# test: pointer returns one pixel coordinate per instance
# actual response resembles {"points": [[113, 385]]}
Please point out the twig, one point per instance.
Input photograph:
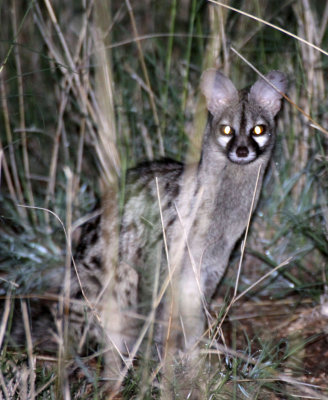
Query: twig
{"points": [[60, 35], [15, 187], [168, 332], [4, 320], [243, 245], [67, 279], [79, 158], [56, 144], [3, 386], [269, 24], [324, 22], [146, 76], [103, 102], [318, 126], [13, 44], [283, 264], [3, 163], [22, 116], [31, 359]]}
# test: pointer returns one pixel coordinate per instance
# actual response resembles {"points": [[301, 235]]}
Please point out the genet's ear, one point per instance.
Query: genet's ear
{"points": [[218, 90], [267, 96]]}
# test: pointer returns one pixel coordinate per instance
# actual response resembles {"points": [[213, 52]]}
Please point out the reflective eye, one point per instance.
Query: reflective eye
{"points": [[258, 129], [226, 130]]}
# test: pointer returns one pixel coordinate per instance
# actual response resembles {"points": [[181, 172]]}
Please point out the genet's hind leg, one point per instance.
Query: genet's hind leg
{"points": [[120, 323]]}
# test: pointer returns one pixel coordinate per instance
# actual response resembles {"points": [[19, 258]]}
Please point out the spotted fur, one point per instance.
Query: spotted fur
{"points": [[204, 209], [201, 209]]}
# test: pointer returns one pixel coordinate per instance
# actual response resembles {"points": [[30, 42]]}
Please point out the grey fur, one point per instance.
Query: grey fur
{"points": [[205, 208]]}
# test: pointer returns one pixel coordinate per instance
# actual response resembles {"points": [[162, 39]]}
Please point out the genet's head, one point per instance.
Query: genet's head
{"points": [[243, 123]]}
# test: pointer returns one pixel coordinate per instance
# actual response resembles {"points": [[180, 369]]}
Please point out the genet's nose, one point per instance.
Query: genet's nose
{"points": [[242, 151]]}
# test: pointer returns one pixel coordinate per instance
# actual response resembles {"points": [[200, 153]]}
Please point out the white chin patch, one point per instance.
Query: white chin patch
{"points": [[242, 160]]}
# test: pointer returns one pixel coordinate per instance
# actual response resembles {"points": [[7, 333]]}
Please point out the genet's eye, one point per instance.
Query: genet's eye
{"points": [[226, 130], [258, 130]]}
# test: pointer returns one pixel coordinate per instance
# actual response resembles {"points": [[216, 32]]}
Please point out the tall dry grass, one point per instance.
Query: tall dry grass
{"points": [[91, 88]]}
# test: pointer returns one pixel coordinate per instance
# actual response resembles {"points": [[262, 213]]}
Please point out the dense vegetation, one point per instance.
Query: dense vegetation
{"points": [[89, 89]]}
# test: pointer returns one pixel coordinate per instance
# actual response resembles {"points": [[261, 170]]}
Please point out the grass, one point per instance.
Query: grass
{"points": [[89, 90]]}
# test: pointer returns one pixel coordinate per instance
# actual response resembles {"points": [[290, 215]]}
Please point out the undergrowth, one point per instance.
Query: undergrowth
{"points": [[89, 90]]}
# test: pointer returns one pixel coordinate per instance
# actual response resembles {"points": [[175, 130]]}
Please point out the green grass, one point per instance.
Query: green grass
{"points": [[153, 107]]}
